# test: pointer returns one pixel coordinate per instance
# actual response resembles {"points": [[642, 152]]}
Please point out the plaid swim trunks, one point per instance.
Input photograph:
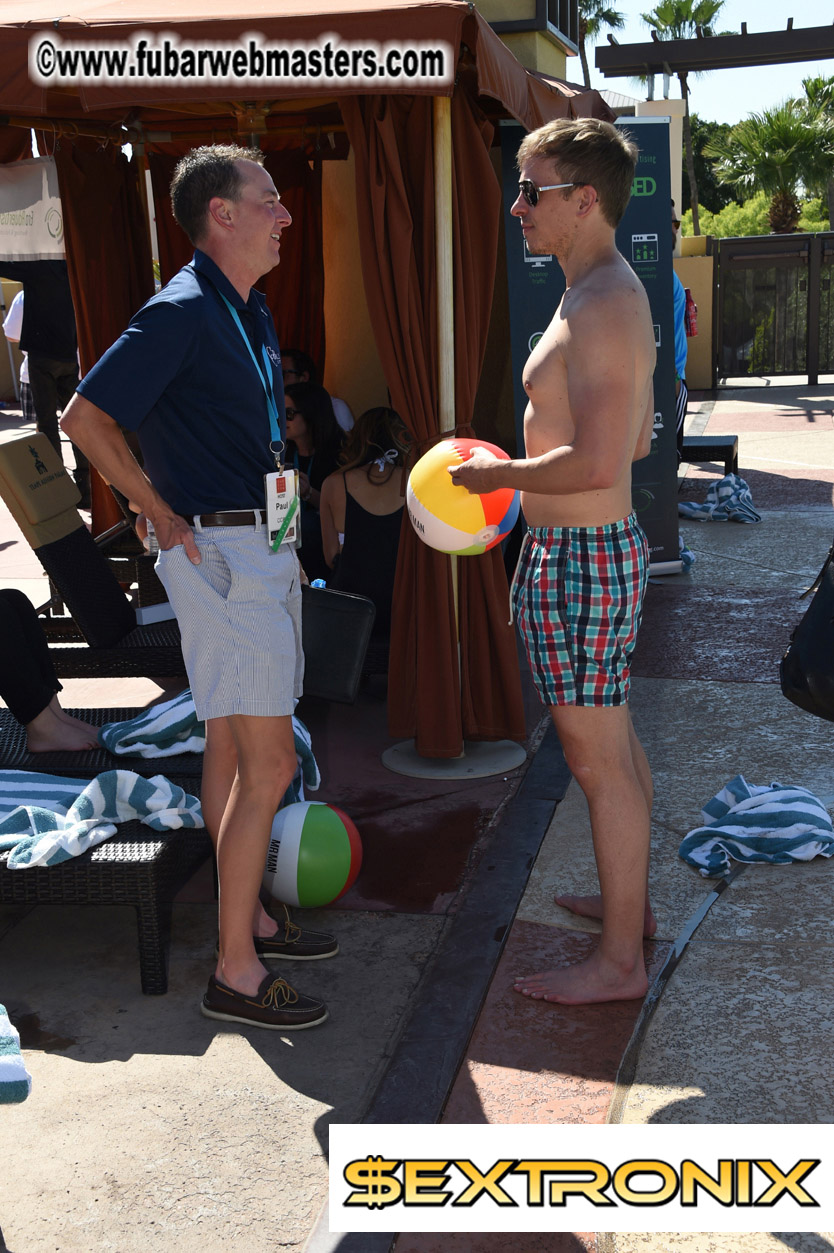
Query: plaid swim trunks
{"points": [[578, 596]]}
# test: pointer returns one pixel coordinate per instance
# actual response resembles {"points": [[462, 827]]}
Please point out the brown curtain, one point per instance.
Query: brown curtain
{"points": [[108, 260], [491, 683], [108, 250], [294, 290], [15, 144], [173, 244], [391, 138]]}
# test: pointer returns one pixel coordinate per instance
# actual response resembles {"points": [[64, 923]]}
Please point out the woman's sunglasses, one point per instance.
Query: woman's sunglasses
{"points": [[294, 413], [531, 192]]}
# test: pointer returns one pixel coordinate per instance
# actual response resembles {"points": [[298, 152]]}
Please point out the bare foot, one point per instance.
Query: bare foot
{"points": [[49, 734], [586, 983], [591, 907], [78, 723]]}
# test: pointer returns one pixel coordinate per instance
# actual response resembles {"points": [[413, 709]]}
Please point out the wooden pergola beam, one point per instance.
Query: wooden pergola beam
{"points": [[716, 52]]}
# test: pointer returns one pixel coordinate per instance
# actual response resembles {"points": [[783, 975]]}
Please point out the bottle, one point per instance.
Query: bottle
{"points": [[690, 315], [318, 583], [150, 541]]}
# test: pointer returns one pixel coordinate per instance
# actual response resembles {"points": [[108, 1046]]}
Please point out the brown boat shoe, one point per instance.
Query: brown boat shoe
{"points": [[293, 943], [275, 1005]]}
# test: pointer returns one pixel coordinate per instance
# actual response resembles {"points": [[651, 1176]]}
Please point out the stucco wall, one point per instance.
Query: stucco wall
{"points": [[696, 273]]}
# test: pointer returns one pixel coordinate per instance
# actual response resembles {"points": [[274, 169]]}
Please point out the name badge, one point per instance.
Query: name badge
{"points": [[283, 516]]}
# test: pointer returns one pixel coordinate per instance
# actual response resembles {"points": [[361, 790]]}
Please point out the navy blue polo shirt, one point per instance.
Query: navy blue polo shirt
{"points": [[182, 378]]}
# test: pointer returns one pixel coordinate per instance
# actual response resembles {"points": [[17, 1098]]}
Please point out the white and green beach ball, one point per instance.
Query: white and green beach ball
{"points": [[314, 855]]}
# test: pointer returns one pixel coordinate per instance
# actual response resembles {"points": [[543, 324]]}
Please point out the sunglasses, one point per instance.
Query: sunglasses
{"points": [[531, 192], [294, 413]]}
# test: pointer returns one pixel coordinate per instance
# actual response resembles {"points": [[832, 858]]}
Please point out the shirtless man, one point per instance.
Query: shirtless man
{"points": [[584, 562]]}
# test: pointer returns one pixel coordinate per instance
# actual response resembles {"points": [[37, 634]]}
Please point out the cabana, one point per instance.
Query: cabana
{"points": [[428, 208]]}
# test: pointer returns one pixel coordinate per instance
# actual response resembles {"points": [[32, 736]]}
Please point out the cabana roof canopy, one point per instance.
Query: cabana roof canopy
{"points": [[470, 46]]}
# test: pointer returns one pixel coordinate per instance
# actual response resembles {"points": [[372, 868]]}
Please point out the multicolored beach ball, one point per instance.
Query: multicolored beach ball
{"points": [[448, 517], [314, 855]]}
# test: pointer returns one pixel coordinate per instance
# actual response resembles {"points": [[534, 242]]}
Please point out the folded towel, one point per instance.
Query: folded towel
{"points": [[728, 500], [308, 770], [163, 730], [15, 1080], [45, 820], [753, 823], [173, 727]]}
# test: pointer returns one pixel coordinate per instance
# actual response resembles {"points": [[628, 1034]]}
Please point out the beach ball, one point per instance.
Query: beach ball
{"points": [[314, 854], [448, 517]]}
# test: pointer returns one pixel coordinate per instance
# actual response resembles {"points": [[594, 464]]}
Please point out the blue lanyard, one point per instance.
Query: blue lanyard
{"points": [[264, 375]]}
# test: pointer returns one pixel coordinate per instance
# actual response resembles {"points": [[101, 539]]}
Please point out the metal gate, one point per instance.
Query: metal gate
{"points": [[775, 306]]}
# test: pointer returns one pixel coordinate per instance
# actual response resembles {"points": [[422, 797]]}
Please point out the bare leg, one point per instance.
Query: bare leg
{"points": [[266, 763], [49, 732], [591, 906], [219, 773], [598, 747]]}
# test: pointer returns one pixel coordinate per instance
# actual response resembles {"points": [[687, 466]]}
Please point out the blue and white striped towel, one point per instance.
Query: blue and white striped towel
{"points": [[756, 823], [172, 727], [45, 820], [164, 730], [15, 1080], [728, 500]]}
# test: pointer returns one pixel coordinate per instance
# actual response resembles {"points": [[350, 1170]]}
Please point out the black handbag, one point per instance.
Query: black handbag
{"points": [[806, 672], [335, 632]]}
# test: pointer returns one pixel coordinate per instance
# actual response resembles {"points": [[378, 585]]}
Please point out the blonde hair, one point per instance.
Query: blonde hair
{"points": [[589, 152]]}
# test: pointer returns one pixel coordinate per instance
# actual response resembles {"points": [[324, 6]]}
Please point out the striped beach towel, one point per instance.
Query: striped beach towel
{"points": [[45, 820], [757, 823], [164, 730], [172, 727], [15, 1080], [728, 500]]}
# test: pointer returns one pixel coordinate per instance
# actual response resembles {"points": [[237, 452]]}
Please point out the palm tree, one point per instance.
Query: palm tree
{"points": [[818, 103], [682, 19], [593, 15], [776, 151]]}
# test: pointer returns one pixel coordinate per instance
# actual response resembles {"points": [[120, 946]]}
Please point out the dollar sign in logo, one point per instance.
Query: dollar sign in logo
{"points": [[375, 1179]]}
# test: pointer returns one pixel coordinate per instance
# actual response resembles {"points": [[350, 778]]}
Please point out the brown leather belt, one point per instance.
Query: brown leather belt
{"points": [[236, 517]]}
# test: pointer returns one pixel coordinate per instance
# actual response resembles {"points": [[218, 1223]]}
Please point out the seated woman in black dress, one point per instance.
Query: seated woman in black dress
{"points": [[362, 511], [314, 441], [28, 683]]}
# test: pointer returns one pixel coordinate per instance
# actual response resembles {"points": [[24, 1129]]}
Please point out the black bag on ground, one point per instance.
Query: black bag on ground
{"points": [[806, 672]]}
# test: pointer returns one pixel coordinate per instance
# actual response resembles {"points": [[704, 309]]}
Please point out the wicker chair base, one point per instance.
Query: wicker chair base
{"points": [[137, 867], [152, 651], [86, 764]]}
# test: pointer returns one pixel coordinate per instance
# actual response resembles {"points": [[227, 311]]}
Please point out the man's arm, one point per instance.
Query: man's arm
{"points": [[97, 435]]}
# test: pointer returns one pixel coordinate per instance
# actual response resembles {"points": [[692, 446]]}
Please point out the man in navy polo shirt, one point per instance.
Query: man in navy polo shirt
{"points": [[197, 375]]}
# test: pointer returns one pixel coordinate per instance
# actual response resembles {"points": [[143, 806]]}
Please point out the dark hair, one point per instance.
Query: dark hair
{"points": [[316, 408], [202, 174], [587, 151], [303, 363], [375, 432]]}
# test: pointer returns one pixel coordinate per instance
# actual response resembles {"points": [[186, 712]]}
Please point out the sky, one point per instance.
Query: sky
{"points": [[725, 95]]}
